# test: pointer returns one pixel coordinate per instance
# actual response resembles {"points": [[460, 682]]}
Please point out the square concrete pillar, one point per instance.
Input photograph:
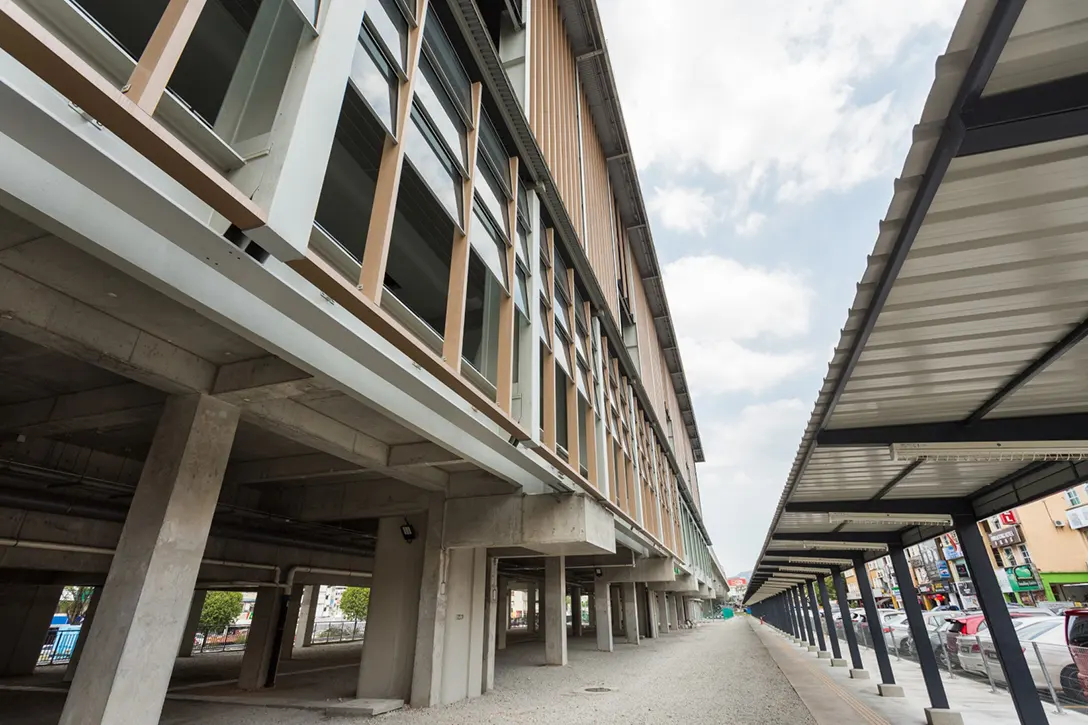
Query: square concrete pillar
{"points": [[576, 611], [192, 624], [290, 622], [663, 612], [652, 615], [261, 652], [304, 632], [602, 604], [84, 631], [617, 610], [530, 608], [462, 662], [677, 612], [502, 611], [145, 602], [630, 612], [25, 615], [555, 612], [389, 646], [494, 612]]}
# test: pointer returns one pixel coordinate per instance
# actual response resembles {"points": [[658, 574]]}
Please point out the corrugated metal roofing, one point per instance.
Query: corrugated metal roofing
{"points": [[993, 280]]}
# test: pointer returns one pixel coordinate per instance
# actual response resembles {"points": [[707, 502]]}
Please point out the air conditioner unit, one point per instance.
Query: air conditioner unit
{"points": [[1059, 524]]}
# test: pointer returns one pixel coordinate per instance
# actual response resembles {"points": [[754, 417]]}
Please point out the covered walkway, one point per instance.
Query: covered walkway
{"points": [[956, 391]]}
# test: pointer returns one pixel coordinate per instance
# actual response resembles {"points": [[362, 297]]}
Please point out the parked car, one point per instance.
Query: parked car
{"points": [[960, 636], [934, 619], [1049, 633], [1074, 678], [883, 626], [973, 649]]}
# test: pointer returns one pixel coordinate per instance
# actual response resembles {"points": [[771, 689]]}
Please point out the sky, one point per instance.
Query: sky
{"points": [[767, 136]]}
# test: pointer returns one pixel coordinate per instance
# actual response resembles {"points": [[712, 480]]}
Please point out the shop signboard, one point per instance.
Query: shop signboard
{"points": [[943, 571], [1005, 537], [1008, 518], [1022, 578], [951, 552]]}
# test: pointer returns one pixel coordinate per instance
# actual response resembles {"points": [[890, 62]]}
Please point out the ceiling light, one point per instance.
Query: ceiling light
{"points": [[991, 451], [843, 545], [890, 519], [818, 560], [807, 569]]}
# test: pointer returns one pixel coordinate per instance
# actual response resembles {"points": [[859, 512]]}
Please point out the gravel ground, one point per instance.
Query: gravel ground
{"points": [[717, 674]]}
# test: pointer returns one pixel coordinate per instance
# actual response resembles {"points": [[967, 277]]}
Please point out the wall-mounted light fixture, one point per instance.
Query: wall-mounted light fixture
{"points": [[408, 532]]}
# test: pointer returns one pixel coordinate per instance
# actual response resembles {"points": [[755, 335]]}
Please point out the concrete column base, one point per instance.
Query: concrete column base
{"points": [[943, 716], [887, 690], [838, 662], [824, 655], [859, 674], [812, 648]]}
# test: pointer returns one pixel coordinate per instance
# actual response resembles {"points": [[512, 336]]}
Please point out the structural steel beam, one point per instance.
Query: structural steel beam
{"points": [[866, 537], [1028, 428], [1025, 116], [950, 506]]}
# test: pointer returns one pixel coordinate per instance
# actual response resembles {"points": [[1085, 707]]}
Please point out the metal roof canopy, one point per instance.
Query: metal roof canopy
{"points": [[968, 322]]}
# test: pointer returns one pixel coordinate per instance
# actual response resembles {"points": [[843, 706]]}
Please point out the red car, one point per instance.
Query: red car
{"points": [[1076, 637], [971, 624]]}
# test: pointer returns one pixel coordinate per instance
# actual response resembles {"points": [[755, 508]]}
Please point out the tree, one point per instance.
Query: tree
{"points": [[220, 610], [75, 601], [355, 602]]}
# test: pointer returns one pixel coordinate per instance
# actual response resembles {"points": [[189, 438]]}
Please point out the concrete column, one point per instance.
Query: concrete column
{"points": [[503, 613], [576, 611], [290, 622], [495, 614], [264, 639], [652, 614], [555, 612], [25, 615], [630, 612], [676, 609], [462, 662], [530, 608], [602, 604], [591, 605], [84, 630], [663, 611], [390, 642], [192, 624], [145, 602], [617, 609], [430, 639], [304, 630]]}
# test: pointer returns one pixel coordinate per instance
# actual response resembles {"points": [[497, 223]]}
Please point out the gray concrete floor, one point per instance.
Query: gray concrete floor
{"points": [[718, 673]]}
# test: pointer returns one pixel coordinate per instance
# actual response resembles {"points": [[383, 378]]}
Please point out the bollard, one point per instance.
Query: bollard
{"points": [[985, 664]]}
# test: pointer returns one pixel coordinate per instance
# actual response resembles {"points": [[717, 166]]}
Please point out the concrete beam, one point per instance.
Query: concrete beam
{"points": [[345, 501], [622, 558], [420, 454], [684, 584], [309, 466], [265, 378], [659, 570], [102, 408], [553, 525]]}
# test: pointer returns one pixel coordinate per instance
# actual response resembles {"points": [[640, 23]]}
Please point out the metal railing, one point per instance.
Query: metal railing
{"points": [[338, 631]]}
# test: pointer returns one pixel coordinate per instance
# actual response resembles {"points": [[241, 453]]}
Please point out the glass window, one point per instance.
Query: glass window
{"points": [[389, 25], [481, 333], [492, 250], [561, 281], [562, 312], [440, 110], [583, 446], [544, 334], [522, 247], [373, 78], [493, 152], [561, 409], [494, 200], [562, 353], [1024, 553], [445, 57], [1072, 497], [523, 204], [521, 293], [1009, 556], [424, 151]]}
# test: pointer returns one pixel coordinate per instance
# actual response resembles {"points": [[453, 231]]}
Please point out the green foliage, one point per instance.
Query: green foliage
{"points": [[355, 602], [220, 610], [75, 602]]}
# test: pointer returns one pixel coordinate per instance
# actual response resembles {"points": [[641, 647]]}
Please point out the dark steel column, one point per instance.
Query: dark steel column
{"points": [[909, 596], [1029, 708], [804, 614], [880, 647], [847, 624], [792, 614], [816, 618], [828, 619]]}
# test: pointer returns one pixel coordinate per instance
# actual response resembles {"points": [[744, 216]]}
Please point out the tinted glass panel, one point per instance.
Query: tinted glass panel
{"points": [[521, 293], [481, 333], [493, 151], [373, 78], [421, 147], [440, 46], [487, 190], [492, 250], [436, 101], [392, 28]]}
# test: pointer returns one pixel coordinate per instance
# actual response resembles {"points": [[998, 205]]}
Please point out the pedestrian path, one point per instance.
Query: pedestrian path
{"points": [[825, 690]]}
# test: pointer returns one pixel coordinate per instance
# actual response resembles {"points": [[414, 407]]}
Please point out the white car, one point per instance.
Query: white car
{"points": [[971, 650], [1049, 634]]}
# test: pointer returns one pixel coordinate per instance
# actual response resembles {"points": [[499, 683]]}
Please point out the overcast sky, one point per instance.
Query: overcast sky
{"points": [[767, 136]]}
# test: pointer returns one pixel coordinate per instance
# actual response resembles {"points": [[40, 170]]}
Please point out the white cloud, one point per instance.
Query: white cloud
{"points": [[741, 485], [750, 224], [773, 95], [721, 307], [683, 209]]}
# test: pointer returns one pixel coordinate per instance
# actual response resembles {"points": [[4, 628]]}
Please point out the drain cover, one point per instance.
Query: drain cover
{"points": [[596, 690]]}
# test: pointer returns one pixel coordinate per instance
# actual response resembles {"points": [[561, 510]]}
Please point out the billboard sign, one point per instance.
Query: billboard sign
{"points": [[737, 582]]}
